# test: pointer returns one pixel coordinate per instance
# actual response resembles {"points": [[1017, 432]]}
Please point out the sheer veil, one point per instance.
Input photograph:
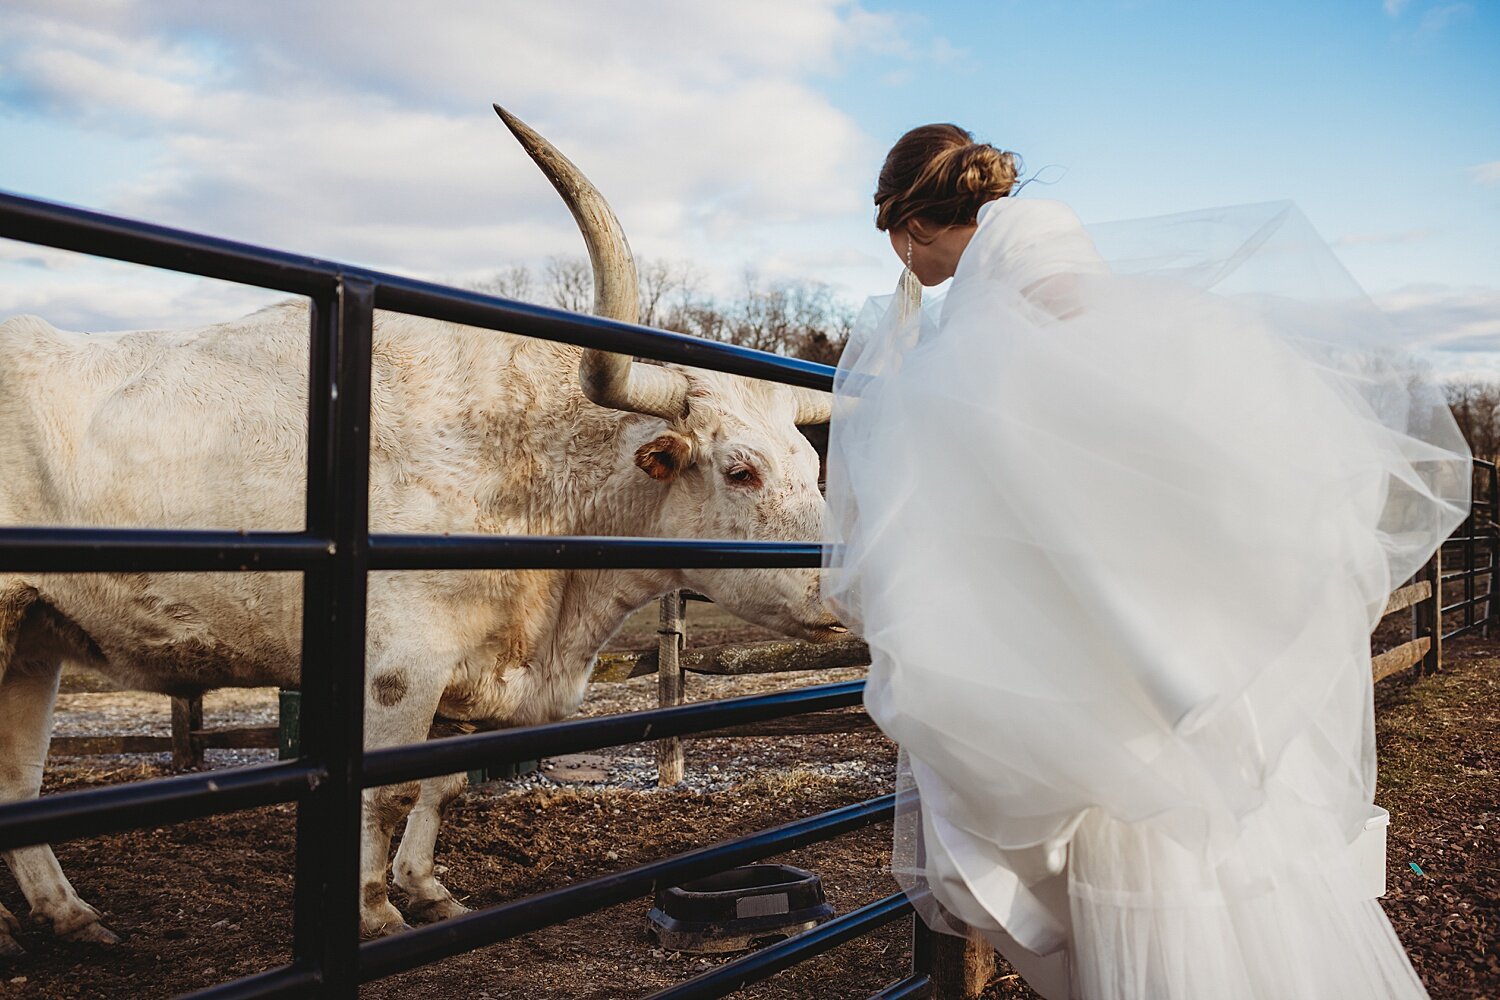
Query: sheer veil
{"points": [[1116, 517]]}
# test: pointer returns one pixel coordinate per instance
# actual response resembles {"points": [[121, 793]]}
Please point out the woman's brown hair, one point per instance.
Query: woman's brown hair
{"points": [[939, 174]]}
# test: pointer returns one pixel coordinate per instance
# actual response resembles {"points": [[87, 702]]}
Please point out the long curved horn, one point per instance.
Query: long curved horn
{"points": [[813, 407], [608, 379]]}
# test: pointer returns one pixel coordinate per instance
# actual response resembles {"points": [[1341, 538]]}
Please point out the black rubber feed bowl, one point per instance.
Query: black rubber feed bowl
{"points": [[737, 909]]}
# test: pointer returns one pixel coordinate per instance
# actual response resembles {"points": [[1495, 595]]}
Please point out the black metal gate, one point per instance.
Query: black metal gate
{"points": [[1475, 547], [335, 553]]}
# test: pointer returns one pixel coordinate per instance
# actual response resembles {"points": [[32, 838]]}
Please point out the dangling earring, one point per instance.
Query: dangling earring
{"points": [[909, 291]]}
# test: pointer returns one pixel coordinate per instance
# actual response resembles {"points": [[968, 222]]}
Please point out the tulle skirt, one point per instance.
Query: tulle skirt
{"points": [[1117, 555]]}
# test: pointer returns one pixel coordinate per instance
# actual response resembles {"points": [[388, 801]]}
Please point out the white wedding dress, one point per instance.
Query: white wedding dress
{"points": [[1117, 517]]}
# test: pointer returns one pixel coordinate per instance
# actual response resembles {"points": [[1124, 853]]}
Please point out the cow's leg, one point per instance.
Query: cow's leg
{"points": [[384, 808], [429, 899], [400, 701], [27, 693]]}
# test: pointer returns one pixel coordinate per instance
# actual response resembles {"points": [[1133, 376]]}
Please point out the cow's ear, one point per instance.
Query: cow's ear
{"points": [[664, 457]]}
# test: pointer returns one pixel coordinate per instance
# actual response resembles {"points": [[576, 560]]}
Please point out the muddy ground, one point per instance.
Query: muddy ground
{"points": [[210, 900]]}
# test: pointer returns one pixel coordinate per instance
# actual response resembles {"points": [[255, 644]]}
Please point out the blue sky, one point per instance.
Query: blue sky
{"points": [[744, 136]]}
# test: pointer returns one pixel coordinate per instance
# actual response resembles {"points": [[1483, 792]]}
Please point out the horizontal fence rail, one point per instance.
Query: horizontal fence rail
{"points": [[137, 550], [301, 980], [93, 811], [574, 552], [461, 753], [758, 965]]}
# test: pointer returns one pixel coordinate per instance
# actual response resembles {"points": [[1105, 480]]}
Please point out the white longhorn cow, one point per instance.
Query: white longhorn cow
{"points": [[472, 431]]}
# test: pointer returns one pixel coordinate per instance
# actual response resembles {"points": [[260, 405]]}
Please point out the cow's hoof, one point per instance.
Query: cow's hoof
{"points": [[381, 920], [95, 933], [430, 911], [10, 948], [9, 924], [369, 932]]}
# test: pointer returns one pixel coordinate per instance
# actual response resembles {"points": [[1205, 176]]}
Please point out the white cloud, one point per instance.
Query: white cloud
{"points": [[83, 293], [1457, 328], [1395, 7], [370, 138], [1486, 173]]}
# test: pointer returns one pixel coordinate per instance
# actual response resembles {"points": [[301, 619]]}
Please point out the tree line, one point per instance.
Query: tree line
{"points": [[1476, 406], [800, 319]]}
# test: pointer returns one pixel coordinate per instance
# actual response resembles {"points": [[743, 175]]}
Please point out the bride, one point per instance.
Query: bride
{"points": [[1117, 517]]}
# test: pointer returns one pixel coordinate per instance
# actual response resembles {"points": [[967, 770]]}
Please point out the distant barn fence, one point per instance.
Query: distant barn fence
{"points": [[1462, 572]]}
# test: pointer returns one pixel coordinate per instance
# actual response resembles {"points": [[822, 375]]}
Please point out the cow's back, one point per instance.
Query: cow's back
{"points": [[207, 429], [195, 429]]}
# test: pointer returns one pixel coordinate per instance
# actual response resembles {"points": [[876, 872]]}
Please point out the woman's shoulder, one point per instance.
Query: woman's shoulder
{"points": [[1023, 239], [1028, 212]]}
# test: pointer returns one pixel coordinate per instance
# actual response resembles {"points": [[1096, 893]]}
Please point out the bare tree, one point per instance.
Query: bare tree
{"points": [[786, 317], [665, 287], [514, 282], [570, 283], [1476, 408], [800, 319]]}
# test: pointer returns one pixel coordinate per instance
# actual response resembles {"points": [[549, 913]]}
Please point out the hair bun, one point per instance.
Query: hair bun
{"points": [[940, 174], [981, 169]]}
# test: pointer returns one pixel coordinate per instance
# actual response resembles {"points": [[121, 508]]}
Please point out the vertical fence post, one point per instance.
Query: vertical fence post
{"points": [[187, 723], [1427, 615], [325, 925], [1492, 531], [959, 967], [1472, 526], [671, 636]]}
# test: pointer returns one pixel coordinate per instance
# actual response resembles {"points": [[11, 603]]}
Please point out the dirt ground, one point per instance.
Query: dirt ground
{"points": [[210, 900]]}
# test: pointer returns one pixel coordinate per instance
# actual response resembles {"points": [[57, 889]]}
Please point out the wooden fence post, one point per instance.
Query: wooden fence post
{"points": [[959, 967], [671, 636], [187, 745]]}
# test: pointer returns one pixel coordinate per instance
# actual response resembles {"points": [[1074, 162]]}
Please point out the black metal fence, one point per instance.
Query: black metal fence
{"points": [[335, 554], [1475, 547]]}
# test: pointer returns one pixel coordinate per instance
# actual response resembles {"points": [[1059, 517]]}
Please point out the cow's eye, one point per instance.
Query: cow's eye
{"points": [[742, 474]]}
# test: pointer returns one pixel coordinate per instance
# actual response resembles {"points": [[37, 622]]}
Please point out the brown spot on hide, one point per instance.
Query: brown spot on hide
{"points": [[373, 894], [393, 802], [389, 688], [13, 780], [664, 457]]}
